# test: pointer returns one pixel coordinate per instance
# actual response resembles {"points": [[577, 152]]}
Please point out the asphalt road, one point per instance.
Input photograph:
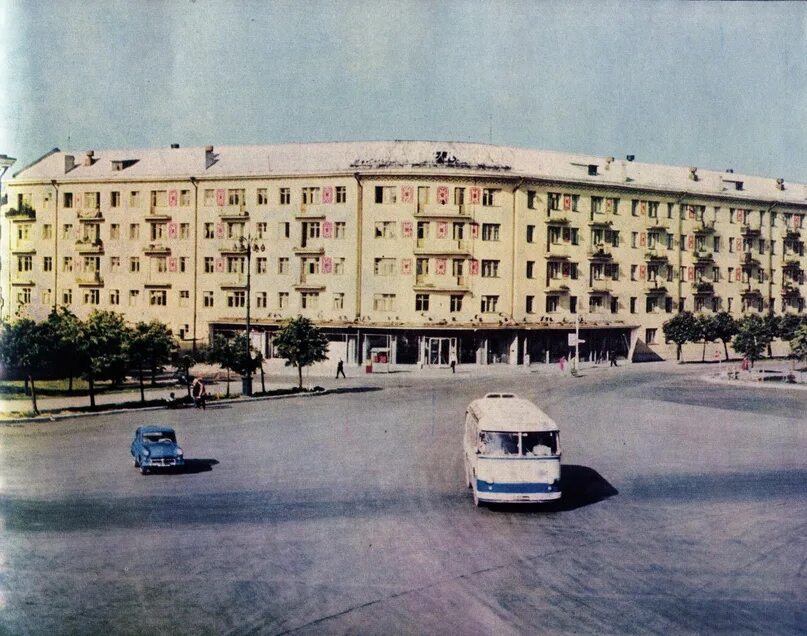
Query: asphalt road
{"points": [[684, 511]]}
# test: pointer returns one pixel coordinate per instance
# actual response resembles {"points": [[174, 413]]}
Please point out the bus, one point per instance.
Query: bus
{"points": [[512, 451]]}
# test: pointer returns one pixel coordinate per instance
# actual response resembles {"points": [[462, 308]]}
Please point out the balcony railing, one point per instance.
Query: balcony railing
{"points": [[559, 250], [704, 228], [558, 216], [89, 246], [702, 256], [750, 230], [25, 212], [90, 214], [443, 246], [601, 286], [89, 279], [436, 210], [157, 249], [703, 288], [600, 252]]}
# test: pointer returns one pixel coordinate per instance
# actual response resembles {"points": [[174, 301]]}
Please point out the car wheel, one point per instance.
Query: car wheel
{"points": [[143, 470], [136, 462]]}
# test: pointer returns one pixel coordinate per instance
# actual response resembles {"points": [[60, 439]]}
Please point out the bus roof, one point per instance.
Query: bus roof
{"points": [[507, 412]]}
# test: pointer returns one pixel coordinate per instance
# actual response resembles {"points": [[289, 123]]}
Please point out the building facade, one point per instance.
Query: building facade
{"points": [[431, 251]]}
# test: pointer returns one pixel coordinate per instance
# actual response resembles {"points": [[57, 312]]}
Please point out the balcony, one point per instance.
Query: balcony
{"points": [[791, 291], [792, 233], [90, 246], [91, 215], [89, 279], [310, 282], [600, 252], [748, 258], [654, 289], [751, 292], [657, 224], [450, 284], [600, 223], [601, 286], [157, 249], [705, 228], [233, 213], [656, 255], [312, 211], [750, 230], [437, 247], [159, 213], [703, 257], [558, 216], [557, 286], [24, 213], [313, 248], [703, 288], [561, 251], [438, 211], [23, 247]]}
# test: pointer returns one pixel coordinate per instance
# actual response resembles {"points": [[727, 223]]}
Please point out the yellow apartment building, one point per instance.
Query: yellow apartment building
{"points": [[432, 251]]}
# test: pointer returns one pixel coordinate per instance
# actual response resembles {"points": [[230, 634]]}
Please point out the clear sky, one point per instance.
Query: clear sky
{"points": [[709, 84]]}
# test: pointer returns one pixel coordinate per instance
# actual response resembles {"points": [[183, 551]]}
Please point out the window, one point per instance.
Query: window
{"points": [[650, 335], [532, 198], [310, 196], [422, 266], [261, 264], [529, 304], [24, 231], [339, 230], [490, 231], [596, 205], [385, 194], [385, 229], [553, 199], [235, 230], [235, 264], [184, 230], [384, 266], [455, 303], [114, 297], [423, 230], [114, 199], [457, 231], [134, 232], [67, 231], [184, 297], [530, 269], [530, 234], [67, 263], [310, 265], [573, 304], [338, 266], [92, 264], [311, 229], [25, 263], [633, 304], [67, 297], [338, 300], [341, 194], [134, 199], [384, 302], [489, 304], [283, 265], [209, 265], [309, 300], [262, 196], [421, 302], [158, 231], [47, 231], [67, 200], [47, 264], [261, 230], [490, 196], [284, 196], [236, 298], [114, 263], [134, 264], [185, 198], [159, 198], [114, 232], [157, 297], [552, 304], [459, 197], [207, 298], [284, 227], [282, 300], [209, 231], [235, 196], [634, 239], [490, 268], [260, 300], [183, 263], [134, 297]]}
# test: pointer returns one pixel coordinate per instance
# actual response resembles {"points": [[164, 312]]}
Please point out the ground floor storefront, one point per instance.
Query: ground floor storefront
{"points": [[359, 346]]}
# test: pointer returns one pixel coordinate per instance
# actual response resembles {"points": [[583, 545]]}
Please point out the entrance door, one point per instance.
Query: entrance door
{"points": [[441, 350]]}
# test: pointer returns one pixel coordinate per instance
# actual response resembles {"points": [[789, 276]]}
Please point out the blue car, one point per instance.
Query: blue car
{"points": [[156, 447]]}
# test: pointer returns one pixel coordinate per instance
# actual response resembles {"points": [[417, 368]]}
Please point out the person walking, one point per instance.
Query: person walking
{"points": [[340, 368], [613, 359], [562, 363]]}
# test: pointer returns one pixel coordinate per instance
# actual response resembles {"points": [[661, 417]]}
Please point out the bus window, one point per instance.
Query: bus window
{"points": [[539, 444], [498, 443]]}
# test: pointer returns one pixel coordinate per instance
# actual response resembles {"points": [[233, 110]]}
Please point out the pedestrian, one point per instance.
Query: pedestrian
{"points": [[613, 359], [562, 363], [202, 395], [340, 368], [744, 364], [453, 364], [197, 390]]}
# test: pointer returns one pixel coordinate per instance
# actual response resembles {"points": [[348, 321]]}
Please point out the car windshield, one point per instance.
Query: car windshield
{"points": [[159, 437], [532, 444]]}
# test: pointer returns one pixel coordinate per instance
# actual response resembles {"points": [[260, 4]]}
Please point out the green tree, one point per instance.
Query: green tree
{"points": [[798, 343], [680, 329], [724, 329], [302, 344], [25, 346], [149, 346], [102, 349], [753, 336], [788, 325], [65, 329], [772, 325], [226, 353], [707, 331]]}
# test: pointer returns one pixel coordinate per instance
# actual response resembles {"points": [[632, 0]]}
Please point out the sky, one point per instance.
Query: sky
{"points": [[710, 84]]}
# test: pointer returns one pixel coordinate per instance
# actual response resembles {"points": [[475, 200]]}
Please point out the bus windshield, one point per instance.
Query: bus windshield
{"points": [[532, 444]]}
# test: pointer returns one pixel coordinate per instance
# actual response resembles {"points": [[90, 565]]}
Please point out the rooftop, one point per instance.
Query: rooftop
{"points": [[404, 157]]}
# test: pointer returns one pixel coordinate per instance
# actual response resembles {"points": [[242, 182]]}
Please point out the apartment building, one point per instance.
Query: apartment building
{"points": [[429, 250]]}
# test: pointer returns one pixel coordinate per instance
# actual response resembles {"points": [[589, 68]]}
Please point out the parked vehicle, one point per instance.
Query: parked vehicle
{"points": [[156, 447], [512, 451]]}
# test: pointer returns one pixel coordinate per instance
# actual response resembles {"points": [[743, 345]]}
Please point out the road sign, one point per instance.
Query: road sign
{"points": [[573, 340]]}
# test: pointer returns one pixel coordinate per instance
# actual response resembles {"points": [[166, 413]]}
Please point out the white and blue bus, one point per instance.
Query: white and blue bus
{"points": [[512, 451]]}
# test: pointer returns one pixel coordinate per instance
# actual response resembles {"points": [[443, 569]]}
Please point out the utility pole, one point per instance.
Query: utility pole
{"points": [[247, 243]]}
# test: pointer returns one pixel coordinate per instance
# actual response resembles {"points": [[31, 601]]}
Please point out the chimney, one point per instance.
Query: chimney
{"points": [[174, 146], [630, 157], [88, 156], [210, 158], [693, 174], [780, 184], [69, 163]]}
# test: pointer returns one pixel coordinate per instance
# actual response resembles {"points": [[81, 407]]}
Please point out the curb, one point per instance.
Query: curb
{"points": [[754, 384]]}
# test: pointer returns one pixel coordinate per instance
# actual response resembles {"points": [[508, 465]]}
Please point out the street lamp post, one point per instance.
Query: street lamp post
{"points": [[248, 244]]}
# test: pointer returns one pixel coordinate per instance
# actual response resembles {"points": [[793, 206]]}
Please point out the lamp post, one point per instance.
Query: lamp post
{"points": [[248, 243]]}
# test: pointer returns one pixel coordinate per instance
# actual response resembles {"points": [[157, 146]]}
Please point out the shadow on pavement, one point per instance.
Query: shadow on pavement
{"points": [[193, 466], [356, 389], [581, 486]]}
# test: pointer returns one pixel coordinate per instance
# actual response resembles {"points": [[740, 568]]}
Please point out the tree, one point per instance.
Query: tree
{"points": [[788, 325], [772, 326], [149, 345], [798, 343], [25, 346], [707, 332], [753, 336], [724, 327], [680, 329], [65, 329], [226, 354], [102, 349], [302, 344]]}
